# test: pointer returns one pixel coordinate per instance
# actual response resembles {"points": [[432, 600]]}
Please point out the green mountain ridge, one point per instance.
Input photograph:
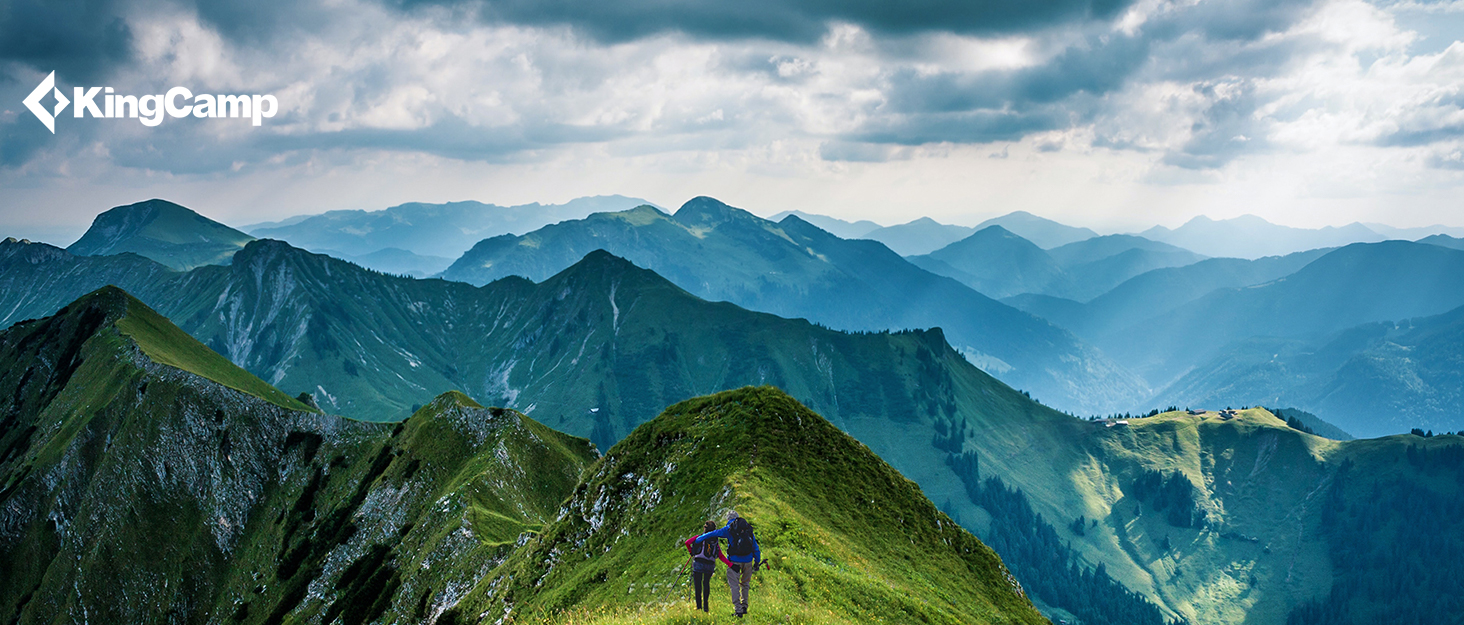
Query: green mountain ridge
{"points": [[162, 231], [793, 269], [135, 492], [1254, 541], [585, 363], [878, 552]]}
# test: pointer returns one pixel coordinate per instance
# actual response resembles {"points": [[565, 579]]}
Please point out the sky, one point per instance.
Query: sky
{"points": [[1112, 114]]}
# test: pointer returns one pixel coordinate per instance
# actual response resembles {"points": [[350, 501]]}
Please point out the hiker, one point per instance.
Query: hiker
{"points": [[703, 564], [746, 557]]}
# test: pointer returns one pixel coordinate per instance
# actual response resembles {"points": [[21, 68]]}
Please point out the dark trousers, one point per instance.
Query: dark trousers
{"points": [[701, 582]]}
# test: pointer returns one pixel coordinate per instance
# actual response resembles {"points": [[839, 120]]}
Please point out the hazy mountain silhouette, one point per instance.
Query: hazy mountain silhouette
{"points": [[1249, 236]]}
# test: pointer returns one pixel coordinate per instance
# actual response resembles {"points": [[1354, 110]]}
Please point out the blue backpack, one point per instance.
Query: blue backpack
{"points": [[739, 538]]}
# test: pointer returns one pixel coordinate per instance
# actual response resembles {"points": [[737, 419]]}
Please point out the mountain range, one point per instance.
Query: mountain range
{"points": [[290, 514], [794, 269], [1360, 283], [1249, 236], [1373, 379], [137, 453], [428, 230], [925, 235], [1000, 264]]}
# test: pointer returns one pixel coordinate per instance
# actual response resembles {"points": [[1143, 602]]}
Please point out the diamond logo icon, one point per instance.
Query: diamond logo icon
{"points": [[33, 102]]}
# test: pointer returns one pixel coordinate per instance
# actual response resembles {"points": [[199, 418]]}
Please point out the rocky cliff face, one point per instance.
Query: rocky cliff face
{"points": [[135, 492]]}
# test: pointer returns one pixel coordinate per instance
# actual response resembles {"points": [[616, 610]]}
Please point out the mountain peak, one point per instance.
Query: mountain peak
{"points": [[162, 231], [705, 212]]}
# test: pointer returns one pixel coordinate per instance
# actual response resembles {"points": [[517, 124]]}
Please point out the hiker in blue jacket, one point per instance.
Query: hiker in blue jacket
{"points": [[745, 555]]}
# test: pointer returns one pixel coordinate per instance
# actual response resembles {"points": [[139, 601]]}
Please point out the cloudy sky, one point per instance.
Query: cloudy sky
{"points": [[1115, 114]]}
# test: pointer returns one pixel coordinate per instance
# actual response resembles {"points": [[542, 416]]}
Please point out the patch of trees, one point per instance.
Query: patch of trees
{"points": [[950, 435], [1445, 459], [1430, 434], [1397, 551], [1047, 566], [1171, 494], [1296, 424]]}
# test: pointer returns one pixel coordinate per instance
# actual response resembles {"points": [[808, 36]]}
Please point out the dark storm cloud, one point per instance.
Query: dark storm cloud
{"points": [[784, 20], [1206, 43], [80, 39], [1230, 20], [180, 148], [260, 21], [983, 126]]}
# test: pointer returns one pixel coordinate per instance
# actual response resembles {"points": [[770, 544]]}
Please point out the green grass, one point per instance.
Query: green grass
{"points": [[165, 344], [846, 538]]}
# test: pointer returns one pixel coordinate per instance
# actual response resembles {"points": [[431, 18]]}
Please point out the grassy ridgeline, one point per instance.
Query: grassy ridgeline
{"points": [[165, 344], [845, 537]]}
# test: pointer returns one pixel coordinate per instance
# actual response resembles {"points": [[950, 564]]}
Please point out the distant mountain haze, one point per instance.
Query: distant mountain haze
{"points": [[1000, 264], [1044, 233], [162, 231], [794, 269], [1443, 240], [443, 230], [1359, 283], [922, 236], [1373, 379], [1414, 234], [1249, 236], [1158, 291], [837, 227], [396, 261]]}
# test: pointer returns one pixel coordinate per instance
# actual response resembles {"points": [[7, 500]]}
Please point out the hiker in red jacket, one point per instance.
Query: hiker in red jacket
{"points": [[703, 564], [745, 554]]}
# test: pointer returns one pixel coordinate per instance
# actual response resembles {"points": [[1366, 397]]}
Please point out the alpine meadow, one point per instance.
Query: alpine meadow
{"points": [[480, 312]]}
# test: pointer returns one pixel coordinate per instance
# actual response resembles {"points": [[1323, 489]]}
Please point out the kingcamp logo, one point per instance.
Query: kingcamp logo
{"points": [[101, 102]]}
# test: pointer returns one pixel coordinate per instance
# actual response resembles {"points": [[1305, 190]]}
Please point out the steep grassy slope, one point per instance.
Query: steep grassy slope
{"points": [[1225, 519], [136, 492], [162, 231], [846, 538], [794, 269]]}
